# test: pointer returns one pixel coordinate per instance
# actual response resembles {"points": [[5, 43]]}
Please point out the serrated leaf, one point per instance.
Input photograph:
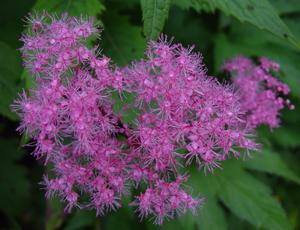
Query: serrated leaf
{"points": [[250, 199], [72, 7], [155, 13], [270, 162], [10, 81], [259, 13], [122, 41]]}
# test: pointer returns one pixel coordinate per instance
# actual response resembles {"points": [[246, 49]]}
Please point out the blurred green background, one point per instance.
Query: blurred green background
{"points": [[258, 193]]}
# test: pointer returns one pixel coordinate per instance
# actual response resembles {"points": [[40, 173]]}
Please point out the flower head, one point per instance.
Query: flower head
{"points": [[96, 156], [262, 94], [182, 107]]}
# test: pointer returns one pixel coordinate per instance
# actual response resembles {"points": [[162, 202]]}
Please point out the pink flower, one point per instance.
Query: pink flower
{"points": [[262, 95], [183, 108], [69, 113], [165, 200], [95, 154]]}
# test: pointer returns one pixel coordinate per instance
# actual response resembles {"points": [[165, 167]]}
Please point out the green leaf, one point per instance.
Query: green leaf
{"points": [[124, 218], [293, 24], [286, 7], [72, 7], [12, 13], [287, 135], [54, 211], [210, 215], [223, 51], [10, 81], [188, 29], [270, 162], [238, 224], [122, 41], [257, 12], [183, 4], [29, 80], [124, 106], [14, 185], [250, 199], [155, 13], [80, 220]]}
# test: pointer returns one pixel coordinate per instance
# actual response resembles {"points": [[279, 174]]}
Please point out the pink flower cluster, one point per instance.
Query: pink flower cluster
{"points": [[262, 95], [183, 108], [184, 116], [69, 114]]}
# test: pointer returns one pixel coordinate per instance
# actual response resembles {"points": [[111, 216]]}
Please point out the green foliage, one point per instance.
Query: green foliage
{"points": [[261, 192], [287, 136], [123, 106], [212, 216], [122, 41], [155, 12], [82, 8], [181, 24], [237, 42], [11, 23], [270, 162], [10, 82], [125, 219], [72, 7], [285, 7], [80, 220], [246, 196], [250, 199], [54, 214], [14, 186], [257, 12]]}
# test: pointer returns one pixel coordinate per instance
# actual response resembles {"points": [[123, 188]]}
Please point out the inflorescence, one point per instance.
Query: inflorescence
{"points": [[262, 95], [185, 116]]}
